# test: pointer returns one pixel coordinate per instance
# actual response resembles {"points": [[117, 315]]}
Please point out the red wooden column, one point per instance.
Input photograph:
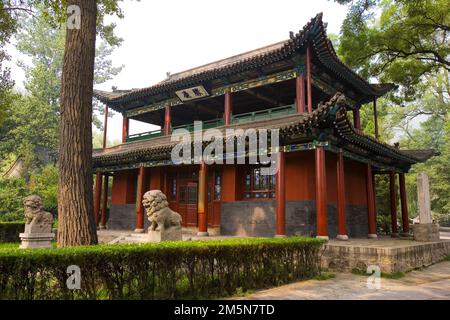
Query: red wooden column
{"points": [[125, 123], [202, 198], [167, 120], [404, 205], [280, 196], [105, 126], [393, 197], [308, 77], [97, 195], [228, 108], [300, 93], [140, 211], [104, 202], [165, 181], [370, 203], [342, 229], [321, 194], [375, 117], [356, 119]]}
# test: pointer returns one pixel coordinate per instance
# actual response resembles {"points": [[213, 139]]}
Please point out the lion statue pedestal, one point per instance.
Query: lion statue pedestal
{"points": [[38, 226], [165, 224]]}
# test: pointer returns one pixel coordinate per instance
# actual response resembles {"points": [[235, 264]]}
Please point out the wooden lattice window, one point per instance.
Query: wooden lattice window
{"points": [[258, 186]]}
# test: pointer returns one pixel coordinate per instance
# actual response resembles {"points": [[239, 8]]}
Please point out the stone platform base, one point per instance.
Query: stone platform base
{"points": [[391, 255], [165, 235], [36, 240], [426, 232]]}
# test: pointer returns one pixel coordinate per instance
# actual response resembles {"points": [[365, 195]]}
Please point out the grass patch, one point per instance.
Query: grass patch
{"points": [[447, 258], [325, 276], [395, 275], [360, 272]]}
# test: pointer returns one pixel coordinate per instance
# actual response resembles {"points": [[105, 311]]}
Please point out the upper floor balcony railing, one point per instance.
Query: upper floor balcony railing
{"points": [[214, 123]]}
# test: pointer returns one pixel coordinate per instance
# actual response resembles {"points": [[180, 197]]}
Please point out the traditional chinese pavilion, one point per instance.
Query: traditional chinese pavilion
{"points": [[325, 183]]}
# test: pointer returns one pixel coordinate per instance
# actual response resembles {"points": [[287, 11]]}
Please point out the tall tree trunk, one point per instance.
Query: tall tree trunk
{"points": [[76, 224]]}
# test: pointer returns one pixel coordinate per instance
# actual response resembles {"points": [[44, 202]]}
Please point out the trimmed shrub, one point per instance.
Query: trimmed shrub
{"points": [[9, 231], [169, 270]]}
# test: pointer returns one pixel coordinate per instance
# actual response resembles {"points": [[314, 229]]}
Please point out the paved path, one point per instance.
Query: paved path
{"points": [[430, 283]]}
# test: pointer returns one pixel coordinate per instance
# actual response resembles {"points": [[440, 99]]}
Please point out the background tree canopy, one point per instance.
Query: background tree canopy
{"points": [[406, 42], [29, 120]]}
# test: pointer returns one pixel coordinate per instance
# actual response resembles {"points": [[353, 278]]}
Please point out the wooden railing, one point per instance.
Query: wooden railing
{"points": [[264, 114], [144, 135], [214, 123], [205, 125]]}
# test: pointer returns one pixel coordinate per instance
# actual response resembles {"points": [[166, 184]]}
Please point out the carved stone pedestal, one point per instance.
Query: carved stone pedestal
{"points": [[165, 235], [36, 240]]}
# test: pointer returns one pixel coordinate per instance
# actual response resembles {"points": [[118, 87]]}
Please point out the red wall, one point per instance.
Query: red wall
{"points": [[300, 178], [124, 187], [229, 182], [355, 182]]}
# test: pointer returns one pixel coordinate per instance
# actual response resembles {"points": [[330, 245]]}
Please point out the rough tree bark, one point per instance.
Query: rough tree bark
{"points": [[76, 224]]}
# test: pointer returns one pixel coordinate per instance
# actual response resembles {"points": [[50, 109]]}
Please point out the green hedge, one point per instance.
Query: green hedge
{"points": [[9, 231], [169, 270]]}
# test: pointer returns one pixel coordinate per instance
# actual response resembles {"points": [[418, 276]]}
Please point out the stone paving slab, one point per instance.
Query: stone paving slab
{"points": [[430, 283]]}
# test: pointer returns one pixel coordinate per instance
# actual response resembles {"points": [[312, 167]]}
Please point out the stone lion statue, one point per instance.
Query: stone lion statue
{"points": [[159, 214], [37, 220]]}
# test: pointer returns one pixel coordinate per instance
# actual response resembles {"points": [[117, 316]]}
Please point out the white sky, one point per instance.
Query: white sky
{"points": [[175, 35]]}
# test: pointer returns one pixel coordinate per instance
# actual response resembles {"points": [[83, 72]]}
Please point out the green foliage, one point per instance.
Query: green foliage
{"points": [[397, 40], [12, 192], [168, 270], [9, 232], [45, 185], [405, 42], [29, 123]]}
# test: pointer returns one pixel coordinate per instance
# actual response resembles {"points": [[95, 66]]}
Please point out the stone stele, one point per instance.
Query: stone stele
{"points": [[426, 230], [165, 224], [38, 225]]}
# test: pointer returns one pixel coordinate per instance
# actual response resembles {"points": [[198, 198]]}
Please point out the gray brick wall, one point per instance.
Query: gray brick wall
{"points": [[258, 218], [123, 217]]}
